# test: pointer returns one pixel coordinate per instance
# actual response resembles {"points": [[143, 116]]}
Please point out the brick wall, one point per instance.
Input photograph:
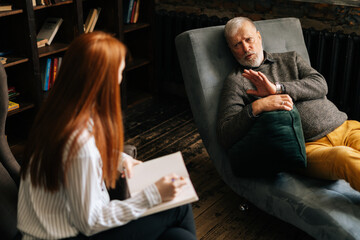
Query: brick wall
{"points": [[319, 16]]}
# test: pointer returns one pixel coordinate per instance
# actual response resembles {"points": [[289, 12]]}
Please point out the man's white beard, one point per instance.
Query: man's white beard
{"points": [[256, 62]]}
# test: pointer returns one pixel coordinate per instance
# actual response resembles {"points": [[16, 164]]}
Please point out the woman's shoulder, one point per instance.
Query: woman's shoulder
{"points": [[82, 142]]}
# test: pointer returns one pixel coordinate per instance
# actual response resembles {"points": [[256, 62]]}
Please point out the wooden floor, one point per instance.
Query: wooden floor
{"points": [[165, 126]]}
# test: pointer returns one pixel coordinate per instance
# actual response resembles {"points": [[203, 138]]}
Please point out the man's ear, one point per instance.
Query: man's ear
{"points": [[258, 33]]}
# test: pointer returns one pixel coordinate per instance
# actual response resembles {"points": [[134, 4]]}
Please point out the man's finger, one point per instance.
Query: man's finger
{"points": [[252, 92]]}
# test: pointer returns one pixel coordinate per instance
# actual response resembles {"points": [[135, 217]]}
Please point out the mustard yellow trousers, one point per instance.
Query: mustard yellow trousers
{"points": [[337, 155]]}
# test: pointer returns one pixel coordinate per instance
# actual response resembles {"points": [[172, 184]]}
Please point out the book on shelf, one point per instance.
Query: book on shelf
{"points": [[152, 170], [133, 12], [49, 29], [91, 20], [47, 74], [51, 74], [12, 93], [125, 10], [12, 106], [5, 7], [93, 23], [59, 63], [136, 15], [6, 52], [47, 2], [49, 69], [128, 10], [41, 42], [54, 69]]}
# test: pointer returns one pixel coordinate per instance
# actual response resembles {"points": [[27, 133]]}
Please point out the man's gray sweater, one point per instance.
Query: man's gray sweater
{"points": [[305, 85]]}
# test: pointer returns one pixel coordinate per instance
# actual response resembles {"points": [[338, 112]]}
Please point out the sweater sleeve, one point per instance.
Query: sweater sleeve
{"points": [[310, 84], [234, 117], [88, 200]]}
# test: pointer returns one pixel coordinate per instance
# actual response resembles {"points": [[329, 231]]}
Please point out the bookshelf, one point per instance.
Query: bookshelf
{"points": [[19, 28]]}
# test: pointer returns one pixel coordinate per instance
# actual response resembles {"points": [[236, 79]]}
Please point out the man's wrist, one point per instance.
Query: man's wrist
{"points": [[279, 88]]}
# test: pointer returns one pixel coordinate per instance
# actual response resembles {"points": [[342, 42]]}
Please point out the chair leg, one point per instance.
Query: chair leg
{"points": [[243, 206]]}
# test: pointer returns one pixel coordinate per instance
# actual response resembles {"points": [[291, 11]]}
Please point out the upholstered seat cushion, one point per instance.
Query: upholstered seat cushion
{"points": [[274, 143]]}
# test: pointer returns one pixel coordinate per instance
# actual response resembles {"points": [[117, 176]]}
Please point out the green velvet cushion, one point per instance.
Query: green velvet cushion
{"points": [[275, 143]]}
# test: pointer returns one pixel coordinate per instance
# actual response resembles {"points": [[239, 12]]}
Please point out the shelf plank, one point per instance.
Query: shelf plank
{"points": [[12, 12], [136, 63], [23, 107], [135, 26], [12, 61], [52, 49]]}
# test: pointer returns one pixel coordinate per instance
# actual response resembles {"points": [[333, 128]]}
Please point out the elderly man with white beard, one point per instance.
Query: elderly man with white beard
{"points": [[264, 82]]}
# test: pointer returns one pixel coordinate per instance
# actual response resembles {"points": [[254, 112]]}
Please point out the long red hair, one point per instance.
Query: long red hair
{"points": [[86, 87]]}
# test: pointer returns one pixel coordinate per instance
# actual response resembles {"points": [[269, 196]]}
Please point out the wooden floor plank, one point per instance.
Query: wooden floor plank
{"points": [[254, 224], [140, 122], [207, 182], [147, 137], [170, 143], [215, 214], [147, 107]]}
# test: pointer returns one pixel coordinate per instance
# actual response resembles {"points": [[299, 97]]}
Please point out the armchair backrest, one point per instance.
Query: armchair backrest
{"points": [[206, 60], [6, 156]]}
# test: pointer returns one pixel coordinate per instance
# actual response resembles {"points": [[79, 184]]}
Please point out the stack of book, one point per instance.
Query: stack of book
{"points": [[41, 42], [45, 2], [50, 67], [91, 20], [5, 6], [131, 11], [12, 93]]}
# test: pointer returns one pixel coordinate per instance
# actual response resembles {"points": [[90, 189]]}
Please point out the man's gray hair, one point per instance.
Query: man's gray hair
{"points": [[234, 24]]}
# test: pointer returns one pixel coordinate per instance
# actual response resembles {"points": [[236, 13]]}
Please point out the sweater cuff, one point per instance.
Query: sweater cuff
{"points": [[152, 194], [123, 157], [250, 112]]}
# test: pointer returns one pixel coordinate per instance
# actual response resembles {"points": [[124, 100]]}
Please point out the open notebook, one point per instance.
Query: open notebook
{"points": [[152, 170]]}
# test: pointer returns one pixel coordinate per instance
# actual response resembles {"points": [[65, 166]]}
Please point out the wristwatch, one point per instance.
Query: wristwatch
{"points": [[279, 88]]}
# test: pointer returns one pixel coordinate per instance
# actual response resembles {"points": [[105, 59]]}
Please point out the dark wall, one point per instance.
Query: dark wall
{"points": [[319, 16]]}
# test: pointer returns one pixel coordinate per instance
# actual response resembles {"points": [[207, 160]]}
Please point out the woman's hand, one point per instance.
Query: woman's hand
{"points": [[128, 164], [170, 186]]}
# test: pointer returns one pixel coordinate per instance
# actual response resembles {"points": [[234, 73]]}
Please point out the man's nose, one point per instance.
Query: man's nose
{"points": [[246, 47]]}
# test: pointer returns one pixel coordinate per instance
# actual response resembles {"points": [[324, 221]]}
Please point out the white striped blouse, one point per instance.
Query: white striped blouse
{"points": [[82, 206]]}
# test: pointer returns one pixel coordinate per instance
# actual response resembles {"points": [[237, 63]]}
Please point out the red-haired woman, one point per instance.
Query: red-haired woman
{"points": [[74, 153]]}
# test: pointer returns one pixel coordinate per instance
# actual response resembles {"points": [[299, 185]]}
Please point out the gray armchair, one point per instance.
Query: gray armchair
{"points": [[323, 209], [9, 171]]}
